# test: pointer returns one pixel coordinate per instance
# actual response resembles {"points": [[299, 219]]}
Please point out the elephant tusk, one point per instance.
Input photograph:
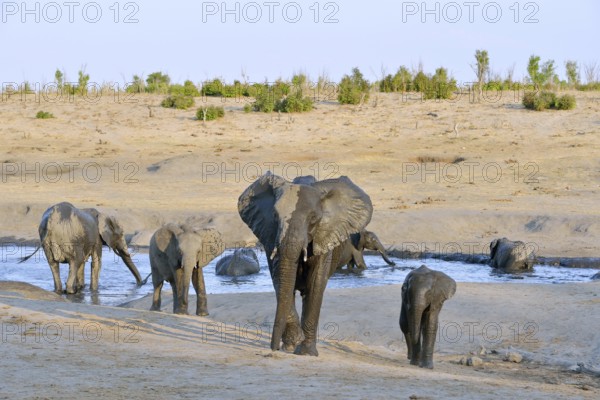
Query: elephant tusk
{"points": [[305, 254], [274, 253]]}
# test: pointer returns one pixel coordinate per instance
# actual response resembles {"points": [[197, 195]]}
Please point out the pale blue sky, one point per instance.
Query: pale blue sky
{"points": [[176, 38]]}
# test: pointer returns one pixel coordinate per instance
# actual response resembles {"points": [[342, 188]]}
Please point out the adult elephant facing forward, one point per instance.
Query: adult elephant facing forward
{"points": [[299, 225]]}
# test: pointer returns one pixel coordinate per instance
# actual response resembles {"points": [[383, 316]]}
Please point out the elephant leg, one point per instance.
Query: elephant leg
{"points": [[311, 306], [96, 265], [73, 268], [55, 268], [173, 284], [406, 332], [292, 335], [80, 280], [182, 282], [358, 258], [200, 288], [429, 332], [156, 300]]}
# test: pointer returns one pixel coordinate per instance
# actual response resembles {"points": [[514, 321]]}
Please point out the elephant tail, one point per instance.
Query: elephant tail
{"points": [[23, 259]]}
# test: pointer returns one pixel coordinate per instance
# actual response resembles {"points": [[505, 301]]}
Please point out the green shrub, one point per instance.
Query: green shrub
{"points": [[548, 100], [353, 88], [178, 101], [265, 98], [212, 88], [187, 89], [590, 86], [210, 112], [157, 82], [565, 102], [528, 100], [136, 86], [294, 103], [247, 107], [44, 115]]}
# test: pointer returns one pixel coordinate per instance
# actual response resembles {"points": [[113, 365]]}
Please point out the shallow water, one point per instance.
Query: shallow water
{"points": [[117, 284]]}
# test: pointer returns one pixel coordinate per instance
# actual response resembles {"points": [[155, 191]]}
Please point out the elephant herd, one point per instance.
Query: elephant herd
{"points": [[308, 229]]}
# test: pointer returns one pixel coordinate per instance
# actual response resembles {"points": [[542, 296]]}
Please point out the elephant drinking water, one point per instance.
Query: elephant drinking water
{"points": [[71, 235]]}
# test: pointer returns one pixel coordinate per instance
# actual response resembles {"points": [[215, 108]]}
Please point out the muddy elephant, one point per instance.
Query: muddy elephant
{"points": [[177, 255], [511, 256], [423, 294], [242, 262], [299, 225], [351, 251], [71, 235]]}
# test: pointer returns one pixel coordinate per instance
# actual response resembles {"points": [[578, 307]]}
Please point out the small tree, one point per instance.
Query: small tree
{"points": [[82, 81], [533, 69], [157, 82], [59, 78], [481, 69], [572, 72], [136, 86], [354, 89]]}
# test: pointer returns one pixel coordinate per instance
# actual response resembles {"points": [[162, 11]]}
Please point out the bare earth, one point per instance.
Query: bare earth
{"points": [[503, 171]]}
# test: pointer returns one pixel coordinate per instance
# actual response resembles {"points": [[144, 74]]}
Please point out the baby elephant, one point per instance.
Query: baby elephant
{"points": [[423, 294], [350, 252], [177, 255], [242, 262], [511, 256]]}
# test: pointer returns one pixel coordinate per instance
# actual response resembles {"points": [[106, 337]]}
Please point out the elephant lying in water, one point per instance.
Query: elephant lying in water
{"points": [[177, 255], [511, 256], [71, 235], [351, 251], [423, 294], [242, 262]]}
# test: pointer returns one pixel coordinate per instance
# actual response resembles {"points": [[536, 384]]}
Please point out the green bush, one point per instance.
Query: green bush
{"points": [[353, 88], [548, 100], [212, 88], [528, 100], [210, 112], [178, 101], [157, 82], [565, 102], [187, 89], [265, 101], [294, 103], [44, 115], [247, 107]]}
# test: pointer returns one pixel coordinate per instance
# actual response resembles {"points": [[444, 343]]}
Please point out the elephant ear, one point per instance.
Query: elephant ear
{"points": [[347, 209], [256, 207], [494, 247], [110, 230], [212, 244]]}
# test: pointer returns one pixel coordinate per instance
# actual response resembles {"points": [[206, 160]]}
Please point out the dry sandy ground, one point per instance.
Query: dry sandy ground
{"points": [[503, 171], [57, 349]]}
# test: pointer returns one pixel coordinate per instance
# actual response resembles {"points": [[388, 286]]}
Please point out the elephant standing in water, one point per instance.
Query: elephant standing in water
{"points": [[351, 251], [423, 294], [70, 235], [241, 262], [177, 255], [511, 256], [299, 225]]}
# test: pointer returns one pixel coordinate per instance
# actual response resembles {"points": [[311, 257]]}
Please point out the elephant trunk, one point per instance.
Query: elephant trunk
{"points": [[379, 247], [285, 281], [126, 257], [183, 277], [415, 314]]}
